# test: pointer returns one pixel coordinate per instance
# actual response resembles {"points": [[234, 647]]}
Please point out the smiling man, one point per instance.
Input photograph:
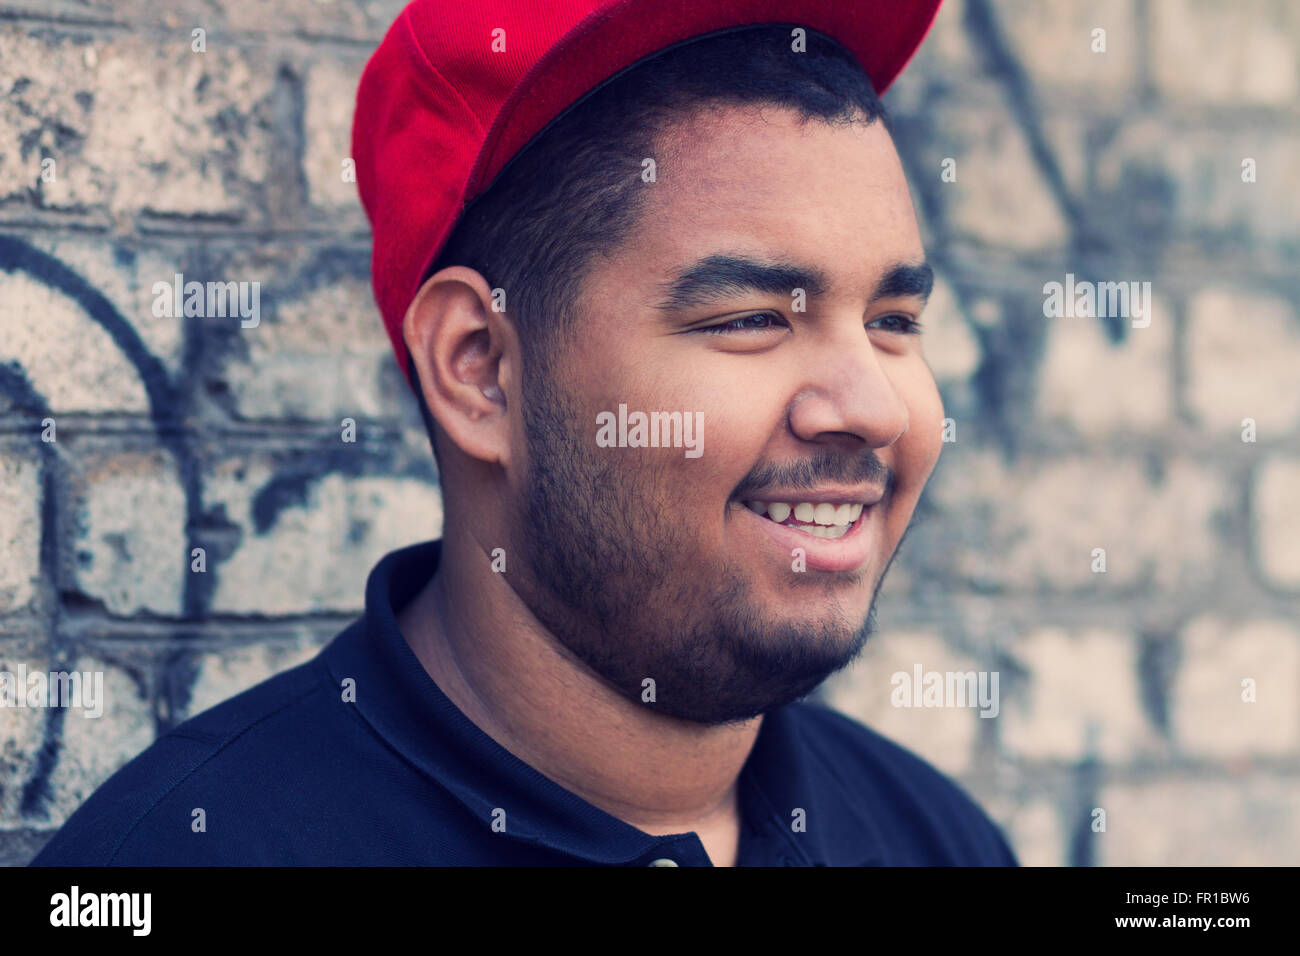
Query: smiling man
{"points": [[699, 218]]}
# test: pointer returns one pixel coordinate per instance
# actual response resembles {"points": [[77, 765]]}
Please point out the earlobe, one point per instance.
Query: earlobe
{"points": [[459, 348]]}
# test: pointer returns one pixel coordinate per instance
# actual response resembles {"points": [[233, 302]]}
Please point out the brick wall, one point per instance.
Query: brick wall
{"points": [[1120, 691]]}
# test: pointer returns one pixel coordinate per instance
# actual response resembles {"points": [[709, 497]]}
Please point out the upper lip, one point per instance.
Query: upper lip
{"points": [[835, 496]]}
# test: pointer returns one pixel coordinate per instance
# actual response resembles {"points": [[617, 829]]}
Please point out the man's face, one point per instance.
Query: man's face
{"points": [[647, 563]]}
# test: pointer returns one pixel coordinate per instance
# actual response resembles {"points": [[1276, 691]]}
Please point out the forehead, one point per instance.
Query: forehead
{"points": [[758, 180]]}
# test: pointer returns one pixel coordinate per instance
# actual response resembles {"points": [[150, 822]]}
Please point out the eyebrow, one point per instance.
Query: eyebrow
{"points": [[718, 277], [905, 279]]}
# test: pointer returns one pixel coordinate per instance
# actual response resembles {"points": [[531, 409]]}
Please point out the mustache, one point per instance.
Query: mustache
{"points": [[822, 467]]}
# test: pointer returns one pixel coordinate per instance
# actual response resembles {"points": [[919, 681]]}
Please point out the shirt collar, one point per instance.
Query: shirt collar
{"points": [[398, 698]]}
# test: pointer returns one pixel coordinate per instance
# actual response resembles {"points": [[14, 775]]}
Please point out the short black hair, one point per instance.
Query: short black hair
{"points": [[576, 188]]}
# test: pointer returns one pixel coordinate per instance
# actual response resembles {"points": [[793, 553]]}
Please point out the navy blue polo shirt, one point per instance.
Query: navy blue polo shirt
{"points": [[289, 773]]}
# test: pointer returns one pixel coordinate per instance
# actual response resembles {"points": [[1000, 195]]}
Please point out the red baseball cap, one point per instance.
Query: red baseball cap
{"points": [[457, 88]]}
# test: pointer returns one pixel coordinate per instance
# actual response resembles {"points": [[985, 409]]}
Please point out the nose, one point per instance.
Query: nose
{"points": [[849, 397]]}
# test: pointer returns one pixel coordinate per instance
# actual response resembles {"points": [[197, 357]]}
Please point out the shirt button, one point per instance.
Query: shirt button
{"points": [[664, 861]]}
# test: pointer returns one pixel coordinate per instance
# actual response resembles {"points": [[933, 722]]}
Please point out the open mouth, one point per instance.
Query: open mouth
{"points": [[819, 519]]}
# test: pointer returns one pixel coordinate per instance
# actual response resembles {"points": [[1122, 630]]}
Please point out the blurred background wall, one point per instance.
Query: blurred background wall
{"points": [[1165, 150]]}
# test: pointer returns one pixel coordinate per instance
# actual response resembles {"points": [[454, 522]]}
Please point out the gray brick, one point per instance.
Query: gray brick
{"points": [[1036, 831], [315, 555], [1081, 699], [1243, 351], [18, 847], [91, 747], [1209, 716], [123, 273], [1036, 527], [943, 735], [95, 748], [999, 197], [1098, 387], [945, 52], [1276, 514], [1202, 167], [129, 563], [950, 349], [331, 92], [1244, 820], [1054, 43], [134, 125], [344, 19], [22, 731], [1226, 53], [70, 360], [20, 529], [320, 352]]}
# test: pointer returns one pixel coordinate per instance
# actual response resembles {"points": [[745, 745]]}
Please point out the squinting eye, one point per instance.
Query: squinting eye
{"points": [[746, 323], [907, 324]]}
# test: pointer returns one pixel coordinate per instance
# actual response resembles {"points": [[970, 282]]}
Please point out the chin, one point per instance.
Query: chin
{"points": [[840, 630], [820, 609]]}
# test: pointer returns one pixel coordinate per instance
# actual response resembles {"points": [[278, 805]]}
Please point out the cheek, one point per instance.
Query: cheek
{"points": [[728, 432], [918, 450], [687, 480]]}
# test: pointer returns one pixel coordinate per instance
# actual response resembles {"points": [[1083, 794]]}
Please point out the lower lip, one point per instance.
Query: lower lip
{"points": [[845, 553]]}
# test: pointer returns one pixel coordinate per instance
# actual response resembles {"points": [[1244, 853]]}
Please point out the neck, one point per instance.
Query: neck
{"points": [[497, 663]]}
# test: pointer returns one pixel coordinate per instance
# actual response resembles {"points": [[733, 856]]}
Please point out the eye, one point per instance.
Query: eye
{"points": [[757, 322], [904, 324]]}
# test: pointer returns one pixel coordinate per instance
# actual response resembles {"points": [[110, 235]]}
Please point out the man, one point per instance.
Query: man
{"points": [[656, 282]]}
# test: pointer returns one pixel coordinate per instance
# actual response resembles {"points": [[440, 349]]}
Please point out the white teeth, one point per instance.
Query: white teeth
{"points": [[821, 519], [819, 531]]}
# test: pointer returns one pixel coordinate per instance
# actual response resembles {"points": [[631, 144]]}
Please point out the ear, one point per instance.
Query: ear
{"points": [[465, 353]]}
